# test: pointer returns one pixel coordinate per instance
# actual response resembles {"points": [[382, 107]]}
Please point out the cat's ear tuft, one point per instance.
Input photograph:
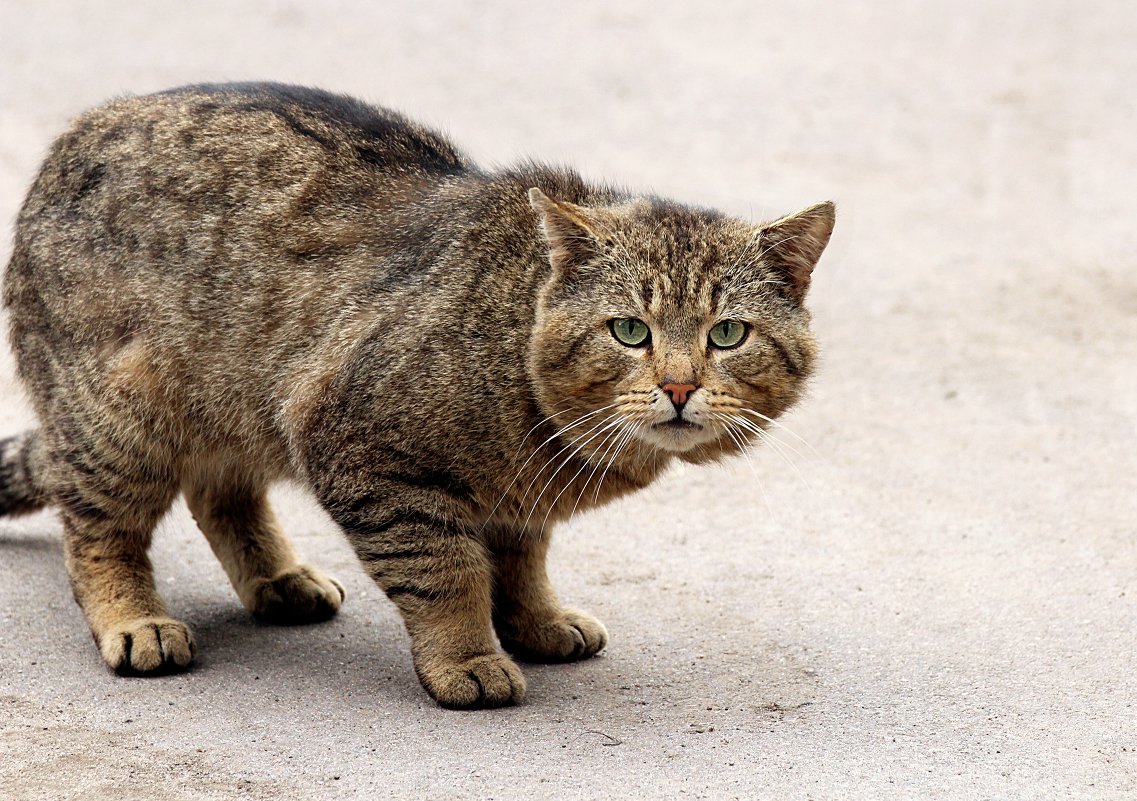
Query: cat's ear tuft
{"points": [[575, 234], [793, 244]]}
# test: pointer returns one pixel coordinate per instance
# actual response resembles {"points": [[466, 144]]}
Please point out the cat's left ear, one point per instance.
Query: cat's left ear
{"points": [[575, 234], [793, 244]]}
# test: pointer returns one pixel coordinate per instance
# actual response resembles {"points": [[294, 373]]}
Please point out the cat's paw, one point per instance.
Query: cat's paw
{"points": [[565, 637], [147, 646], [479, 682], [300, 594]]}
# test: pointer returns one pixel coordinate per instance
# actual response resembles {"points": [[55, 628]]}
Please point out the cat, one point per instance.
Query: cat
{"points": [[218, 287]]}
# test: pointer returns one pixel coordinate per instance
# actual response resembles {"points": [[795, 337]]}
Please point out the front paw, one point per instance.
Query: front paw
{"points": [[477, 682], [301, 594], [566, 636]]}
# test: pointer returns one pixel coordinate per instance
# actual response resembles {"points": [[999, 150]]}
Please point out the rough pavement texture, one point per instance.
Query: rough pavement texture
{"points": [[938, 603]]}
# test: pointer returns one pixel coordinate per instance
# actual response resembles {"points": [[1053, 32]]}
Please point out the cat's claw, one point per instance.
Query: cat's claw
{"points": [[301, 594], [147, 647]]}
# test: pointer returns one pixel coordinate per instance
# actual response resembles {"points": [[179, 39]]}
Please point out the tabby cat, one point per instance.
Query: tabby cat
{"points": [[218, 287]]}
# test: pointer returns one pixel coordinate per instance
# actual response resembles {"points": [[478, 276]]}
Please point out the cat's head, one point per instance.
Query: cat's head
{"points": [[674, 329]]}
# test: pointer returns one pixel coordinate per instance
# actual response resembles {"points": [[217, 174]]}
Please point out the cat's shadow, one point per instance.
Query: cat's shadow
{"points": [[364, 655], [356, 651], [364, 652]]}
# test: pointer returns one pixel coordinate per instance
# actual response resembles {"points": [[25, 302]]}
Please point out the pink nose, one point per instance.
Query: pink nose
{"points": [[679, 392]]}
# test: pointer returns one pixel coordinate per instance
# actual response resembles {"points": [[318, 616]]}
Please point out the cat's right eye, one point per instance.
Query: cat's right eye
{"points": [[630, 332]]}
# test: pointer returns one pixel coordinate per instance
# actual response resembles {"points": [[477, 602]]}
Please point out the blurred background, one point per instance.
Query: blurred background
{"points": [[937, 600]]}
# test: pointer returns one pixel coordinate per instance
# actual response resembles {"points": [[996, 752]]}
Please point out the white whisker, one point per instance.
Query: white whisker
{"points": [[782, 426], [568, 483], [741, 443], [537, 450], [607, 443], [775, 445], [766, 436], [533, 508], [620, 443], [572, 440], [528, 433]]}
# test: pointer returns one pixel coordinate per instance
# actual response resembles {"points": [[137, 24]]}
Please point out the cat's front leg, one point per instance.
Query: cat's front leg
{"points": [[530, 621], [439, 576]]}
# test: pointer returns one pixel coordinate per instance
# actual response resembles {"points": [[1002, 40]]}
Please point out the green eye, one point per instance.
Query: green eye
{"points": [[728, 334], [630, 331]]}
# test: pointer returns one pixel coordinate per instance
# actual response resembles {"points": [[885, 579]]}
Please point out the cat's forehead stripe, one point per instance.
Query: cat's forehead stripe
{"points": [[682, 286], [660, 292]]}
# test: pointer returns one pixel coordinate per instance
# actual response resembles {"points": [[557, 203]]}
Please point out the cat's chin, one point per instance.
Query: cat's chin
{"points": [[677, 436]]}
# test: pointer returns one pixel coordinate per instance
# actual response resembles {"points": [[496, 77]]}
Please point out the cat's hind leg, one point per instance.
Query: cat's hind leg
{"points": [[109, 503], [260, 561]]}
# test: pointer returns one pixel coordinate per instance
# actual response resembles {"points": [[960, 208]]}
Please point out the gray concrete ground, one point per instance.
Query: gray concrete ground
{"points": [[940, 603]]}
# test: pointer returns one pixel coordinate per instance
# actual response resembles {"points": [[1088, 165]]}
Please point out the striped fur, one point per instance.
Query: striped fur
{"points": [[219, 287]]}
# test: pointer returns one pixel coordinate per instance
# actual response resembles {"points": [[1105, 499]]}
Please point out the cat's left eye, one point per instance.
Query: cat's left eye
{"points": [[728, 334]]}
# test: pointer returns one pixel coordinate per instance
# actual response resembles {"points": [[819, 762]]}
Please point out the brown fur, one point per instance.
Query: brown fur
{"points": [[219, 287]]}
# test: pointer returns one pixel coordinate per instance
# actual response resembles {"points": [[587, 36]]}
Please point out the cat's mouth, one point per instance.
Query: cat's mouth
{"points": [[677, 435], [677, 423]]}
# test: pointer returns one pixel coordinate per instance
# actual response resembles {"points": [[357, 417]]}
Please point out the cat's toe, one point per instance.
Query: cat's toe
{"points": [[299, 595], [566, 637], [147, 646], [479, 682]]}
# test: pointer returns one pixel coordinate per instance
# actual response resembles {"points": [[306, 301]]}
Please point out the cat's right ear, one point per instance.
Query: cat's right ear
{"points": [[575, 234]]}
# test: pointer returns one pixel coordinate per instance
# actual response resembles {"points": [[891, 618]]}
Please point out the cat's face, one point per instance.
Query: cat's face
{"points": [[676, 330]]}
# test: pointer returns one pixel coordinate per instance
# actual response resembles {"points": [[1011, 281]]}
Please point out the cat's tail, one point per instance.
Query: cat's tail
{"points": [[22, 460]]}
